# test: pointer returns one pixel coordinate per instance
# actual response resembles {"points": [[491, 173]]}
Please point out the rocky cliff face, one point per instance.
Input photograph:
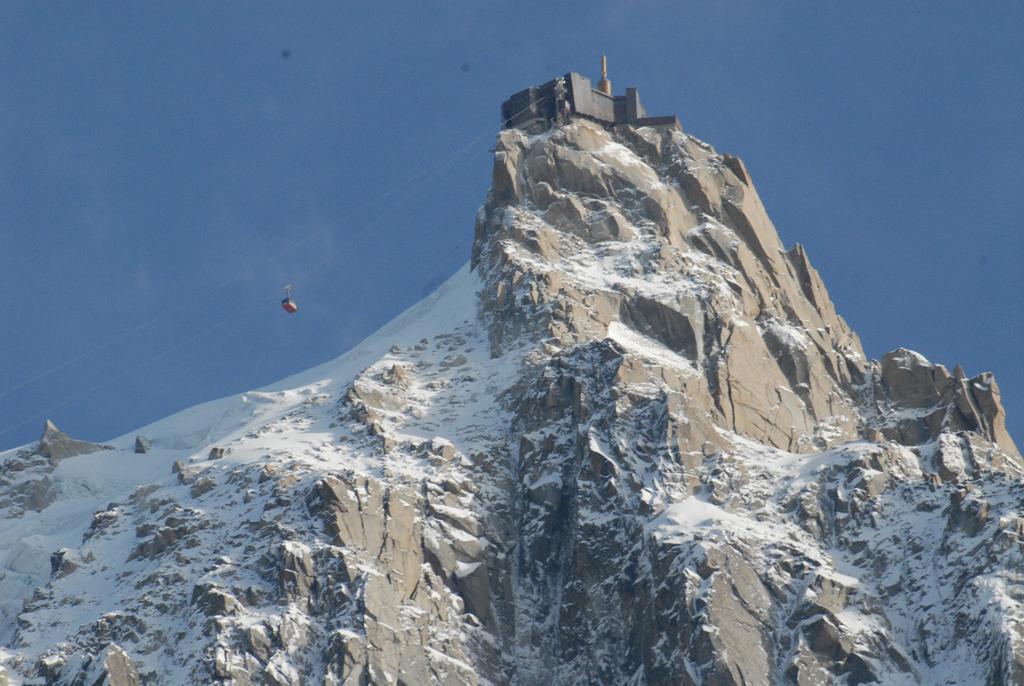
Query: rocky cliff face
{"points": [[633, 444]]}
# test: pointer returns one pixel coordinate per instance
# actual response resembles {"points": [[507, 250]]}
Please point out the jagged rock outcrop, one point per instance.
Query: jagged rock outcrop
{"points": [[633, 444], [780, 365], [917, 401], [56, 445], [142, 445], [26, 482]]}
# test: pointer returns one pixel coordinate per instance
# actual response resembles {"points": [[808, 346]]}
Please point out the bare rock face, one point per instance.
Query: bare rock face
{"points": [[917, 401], [635, 444], [118, 669], [57, 445], [780, 365], [27, 477]]}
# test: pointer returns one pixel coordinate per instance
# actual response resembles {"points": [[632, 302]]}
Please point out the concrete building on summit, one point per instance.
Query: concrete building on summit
{"points": [[565, 97]]}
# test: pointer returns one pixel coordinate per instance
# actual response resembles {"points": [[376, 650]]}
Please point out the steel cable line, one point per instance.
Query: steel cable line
{"points": [[429, 175], [247, 315], [257, 303], [196, 298], [287, 249]]}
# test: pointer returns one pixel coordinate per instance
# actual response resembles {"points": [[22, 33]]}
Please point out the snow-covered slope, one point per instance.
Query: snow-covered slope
{"points": [[631, 443]]}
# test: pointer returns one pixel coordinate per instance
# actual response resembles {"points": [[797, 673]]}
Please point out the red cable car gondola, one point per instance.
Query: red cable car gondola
{"points": [[289, 305]]}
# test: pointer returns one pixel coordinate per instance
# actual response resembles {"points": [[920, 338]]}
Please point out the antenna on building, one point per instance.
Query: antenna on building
{"points": [[604, 85]]}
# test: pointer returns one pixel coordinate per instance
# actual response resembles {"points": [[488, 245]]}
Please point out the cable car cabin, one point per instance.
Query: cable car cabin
{"points": [[289, 305]]}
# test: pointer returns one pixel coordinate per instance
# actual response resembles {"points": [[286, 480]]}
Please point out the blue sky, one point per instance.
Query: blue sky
{"points": [[165, 167]]}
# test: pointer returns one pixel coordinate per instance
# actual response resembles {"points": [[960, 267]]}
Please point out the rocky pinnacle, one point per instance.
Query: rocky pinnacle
{"points": [[631, 443]]}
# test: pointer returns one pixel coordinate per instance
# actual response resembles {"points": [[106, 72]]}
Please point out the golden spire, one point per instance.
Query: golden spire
{"points": [[604, 85]]}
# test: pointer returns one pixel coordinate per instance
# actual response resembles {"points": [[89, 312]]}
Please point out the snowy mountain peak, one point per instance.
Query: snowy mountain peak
{"points": [[653, 230], [632, 442]]}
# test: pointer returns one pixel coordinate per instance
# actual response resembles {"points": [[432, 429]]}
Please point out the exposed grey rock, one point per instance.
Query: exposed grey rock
{"points": [[203, 484], [64, 562], [57, 445], [827, 363], [50, 667], [213, 601], [825, 638], [640, 460], [142, 444], [37, 495], [297, 572], [258, 642], [920, 401], [118, 669]]}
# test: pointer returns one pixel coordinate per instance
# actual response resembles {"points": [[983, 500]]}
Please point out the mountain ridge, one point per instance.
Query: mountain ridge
{"points": [[630, 442]]}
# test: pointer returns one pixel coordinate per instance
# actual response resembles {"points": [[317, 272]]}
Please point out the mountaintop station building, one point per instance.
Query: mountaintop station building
{"points": [[565, 97]]}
